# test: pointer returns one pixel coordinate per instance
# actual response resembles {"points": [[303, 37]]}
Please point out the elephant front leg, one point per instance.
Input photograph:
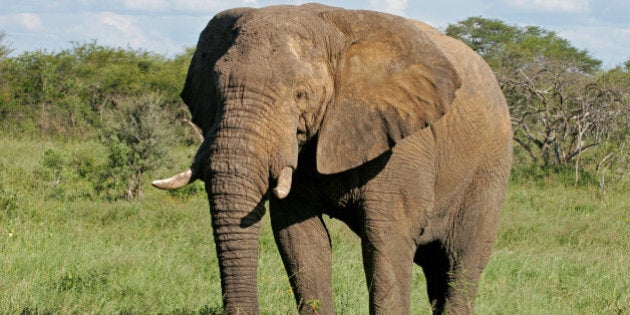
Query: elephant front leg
{"points": [[388, 262], [304, 246]]}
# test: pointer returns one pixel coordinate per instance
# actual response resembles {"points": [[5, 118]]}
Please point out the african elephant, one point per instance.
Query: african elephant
{"points": [[379, 121]]}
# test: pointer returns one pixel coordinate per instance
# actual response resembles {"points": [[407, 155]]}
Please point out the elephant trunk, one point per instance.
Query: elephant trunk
{"points": [[237, 182], [241, 164], [236, 223]]}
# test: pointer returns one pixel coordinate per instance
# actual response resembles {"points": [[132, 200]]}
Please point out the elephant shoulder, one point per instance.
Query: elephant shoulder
{"points": [[479, 89], [478, 79], [464, 59]]}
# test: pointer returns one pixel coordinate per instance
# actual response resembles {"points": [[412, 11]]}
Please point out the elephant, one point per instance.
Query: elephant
{"points": [[376, 120]]}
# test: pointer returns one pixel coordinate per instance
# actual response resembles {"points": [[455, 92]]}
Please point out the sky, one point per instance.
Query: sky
{"points": [[168, 27]]}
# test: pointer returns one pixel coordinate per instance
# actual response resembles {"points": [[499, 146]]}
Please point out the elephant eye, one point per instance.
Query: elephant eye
{"points": [[300, 95]]}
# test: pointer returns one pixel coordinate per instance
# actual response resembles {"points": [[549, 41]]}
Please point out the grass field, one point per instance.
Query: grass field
{"points": [[561, 250]]}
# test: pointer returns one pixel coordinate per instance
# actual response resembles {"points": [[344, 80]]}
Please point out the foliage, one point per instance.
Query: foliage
{"points": [[5, 47], [66, 176], [66, 93], [136, 137], [561, 102], [509, 46], [9, 200], [5, 50]]}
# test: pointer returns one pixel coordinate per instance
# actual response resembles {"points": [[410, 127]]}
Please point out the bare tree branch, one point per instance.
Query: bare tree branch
{"points": [[556, 110]]}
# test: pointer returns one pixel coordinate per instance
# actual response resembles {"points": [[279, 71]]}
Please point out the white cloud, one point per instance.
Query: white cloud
{"points": [[146, 5], [30, 21], [209, 5], [184, 5], [125, 27], [391, 6], [568, 6], [598, 39]]}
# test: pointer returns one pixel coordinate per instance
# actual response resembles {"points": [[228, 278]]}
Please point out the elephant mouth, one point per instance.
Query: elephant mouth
{"points": [[181, 179]]}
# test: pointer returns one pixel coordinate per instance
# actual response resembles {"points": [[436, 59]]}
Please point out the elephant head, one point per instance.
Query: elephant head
{"points": [[263, 82]]}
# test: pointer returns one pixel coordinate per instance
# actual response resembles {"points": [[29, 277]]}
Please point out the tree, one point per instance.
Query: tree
{"points": [[5, 47], [558, 114], [5, 50], [512, 47], [618, 141], [485, 36], [66, 93], [136, 138], [561, 104]]}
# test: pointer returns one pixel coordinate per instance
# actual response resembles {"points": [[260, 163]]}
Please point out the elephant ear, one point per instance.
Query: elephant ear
{"points": [[391, 82], [199, 92]]}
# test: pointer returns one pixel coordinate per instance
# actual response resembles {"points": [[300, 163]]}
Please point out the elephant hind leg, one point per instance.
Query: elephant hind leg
{"points": [[453, 265], [436, 266], [451, 278]]}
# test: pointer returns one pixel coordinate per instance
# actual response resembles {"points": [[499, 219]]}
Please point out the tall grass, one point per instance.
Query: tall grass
{"points": [[561, 250]]}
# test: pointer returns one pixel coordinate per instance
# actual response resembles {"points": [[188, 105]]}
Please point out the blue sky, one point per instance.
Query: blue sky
{"points": [[169, 26]]}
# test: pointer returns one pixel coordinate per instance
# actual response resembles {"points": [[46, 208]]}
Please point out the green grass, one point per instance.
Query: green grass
{"points": [[561, 250]]}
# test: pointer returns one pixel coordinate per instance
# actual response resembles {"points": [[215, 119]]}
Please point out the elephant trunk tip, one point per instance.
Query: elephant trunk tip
{"points": [[174, 182], [284, 183]]}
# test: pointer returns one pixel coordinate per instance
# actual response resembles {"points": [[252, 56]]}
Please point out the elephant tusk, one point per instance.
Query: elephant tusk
{"points": [[284, 183], [177, 181]]}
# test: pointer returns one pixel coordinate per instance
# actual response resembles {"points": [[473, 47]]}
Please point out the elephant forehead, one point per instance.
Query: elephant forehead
{"points": [[306, 55], [290, 60], [298, 47], [280, 26]]}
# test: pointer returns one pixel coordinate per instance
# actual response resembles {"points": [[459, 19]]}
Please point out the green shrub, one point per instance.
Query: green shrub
{"points": [[68, 176], [66, 93], [137, 139], [9, 201]]}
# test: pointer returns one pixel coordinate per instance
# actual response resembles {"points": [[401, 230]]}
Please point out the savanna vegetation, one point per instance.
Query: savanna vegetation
{"points": [[83, 129]]}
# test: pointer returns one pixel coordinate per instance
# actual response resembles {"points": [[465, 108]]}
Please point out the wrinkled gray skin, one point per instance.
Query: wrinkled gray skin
{"points": [[400, 132]]}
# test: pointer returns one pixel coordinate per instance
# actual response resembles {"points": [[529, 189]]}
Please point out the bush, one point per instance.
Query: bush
{"points": [[67, 92], [67, 176], [136, 138], [9, 200]]}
